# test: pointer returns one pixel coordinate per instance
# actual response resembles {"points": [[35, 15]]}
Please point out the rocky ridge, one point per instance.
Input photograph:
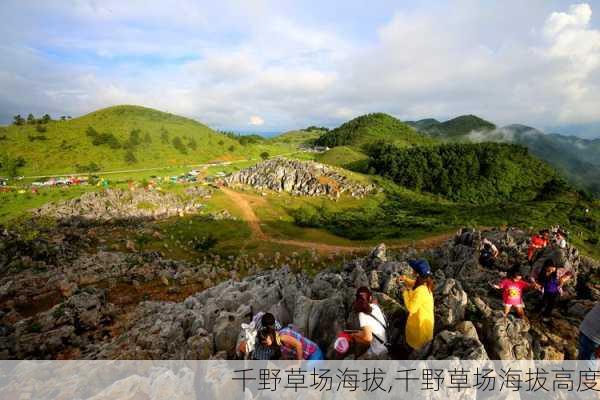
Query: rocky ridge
{"points": [[469, 323], [300, 178], [123, 205]]}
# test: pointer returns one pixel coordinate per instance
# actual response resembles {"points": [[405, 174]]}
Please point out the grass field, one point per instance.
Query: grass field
{"points": [[162, 140]]}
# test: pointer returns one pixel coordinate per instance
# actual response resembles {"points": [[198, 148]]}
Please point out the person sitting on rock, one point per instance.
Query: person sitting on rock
{"points": [[372, 324], [512, 291], [418, 299], [290, 344], [537, 243], [550, 284], [488, 254]]}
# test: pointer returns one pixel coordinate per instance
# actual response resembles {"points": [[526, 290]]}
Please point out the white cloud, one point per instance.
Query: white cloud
{"points": [[511, 62], [256, 120]]}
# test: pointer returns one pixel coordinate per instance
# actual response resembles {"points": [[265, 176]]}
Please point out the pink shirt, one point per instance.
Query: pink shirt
{"points": [[512, 291]]}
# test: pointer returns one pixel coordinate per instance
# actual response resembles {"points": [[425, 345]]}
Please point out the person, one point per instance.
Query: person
{"points": [[550, 284], [488, 254], [259, 320], [512, 291], [589, 335], [418, 299], [290, 344], [537, 243], [372, 323]]}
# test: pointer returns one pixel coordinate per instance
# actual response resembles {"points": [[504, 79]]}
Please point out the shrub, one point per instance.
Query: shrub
{"points": [[130, 157], [179, 146]]}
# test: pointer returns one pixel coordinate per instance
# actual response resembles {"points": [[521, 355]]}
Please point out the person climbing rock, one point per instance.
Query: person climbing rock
{"points": [[550, 284], [512, 291], [418, 299], [290, 344], [536, 243], [373, 324], [247, 341], [589, 335], [487, 254]]}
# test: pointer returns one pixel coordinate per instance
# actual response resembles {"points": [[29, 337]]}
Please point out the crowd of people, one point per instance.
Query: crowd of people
{"points": [[266, 339]]}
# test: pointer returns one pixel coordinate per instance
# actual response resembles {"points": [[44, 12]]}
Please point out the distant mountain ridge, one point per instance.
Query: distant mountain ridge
{"points": [[578, 159]]}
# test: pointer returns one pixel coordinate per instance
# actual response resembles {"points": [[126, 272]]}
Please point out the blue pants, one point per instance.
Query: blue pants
{"points": [[587, 347]]}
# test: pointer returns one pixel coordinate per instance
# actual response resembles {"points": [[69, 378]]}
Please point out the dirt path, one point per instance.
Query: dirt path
{"points": [[253, 221]]}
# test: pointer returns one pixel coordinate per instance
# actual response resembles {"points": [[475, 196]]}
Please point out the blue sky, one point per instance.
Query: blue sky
{"points": [[278, 65]]}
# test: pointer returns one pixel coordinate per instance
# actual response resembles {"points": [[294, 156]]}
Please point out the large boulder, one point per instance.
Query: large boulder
{"points": [[450, 304]]}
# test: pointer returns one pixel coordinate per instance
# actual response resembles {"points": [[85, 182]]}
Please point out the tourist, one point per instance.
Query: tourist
{"points": [[537, 243], [488, 254], [589, 335], [372, 322], [512, 291], [550, 284], [418, 299], [291, 345]]}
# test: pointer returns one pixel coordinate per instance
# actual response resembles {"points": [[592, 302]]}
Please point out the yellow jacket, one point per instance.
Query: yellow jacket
{"points": [[419, 326]]}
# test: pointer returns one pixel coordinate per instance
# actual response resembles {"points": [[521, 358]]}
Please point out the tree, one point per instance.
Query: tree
{"points": [[18, 120], [30, 119], [264, 155], [179, 146], [130, 157]]}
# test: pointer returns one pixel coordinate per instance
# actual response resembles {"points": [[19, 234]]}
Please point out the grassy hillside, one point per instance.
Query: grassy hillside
{"points": [[370, 128], [297, 138], [121, 137], [342, 156], [478, 173]]}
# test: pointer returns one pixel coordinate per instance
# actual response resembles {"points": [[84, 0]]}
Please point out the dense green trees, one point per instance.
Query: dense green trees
{"points": [[478, 173]]}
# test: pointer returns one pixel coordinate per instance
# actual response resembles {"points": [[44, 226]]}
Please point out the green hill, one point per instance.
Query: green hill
{"points": [[477, 173], [297, 138], [458, 126], [120, 137], [370, 128], [342, 156]]}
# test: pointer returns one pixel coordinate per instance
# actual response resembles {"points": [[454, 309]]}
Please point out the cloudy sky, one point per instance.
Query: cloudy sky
{"points": [[276, 65]]}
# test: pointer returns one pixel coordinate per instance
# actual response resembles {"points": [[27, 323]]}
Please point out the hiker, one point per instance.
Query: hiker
{"points": [[488, 254], [418, 299], [372, 323], [290, 344], [512, 291], [247, 339], [589, 335], [550, 284], [537, 243]]}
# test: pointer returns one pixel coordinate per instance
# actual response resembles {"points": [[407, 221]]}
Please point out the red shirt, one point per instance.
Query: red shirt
{"points": [[512, 291]]}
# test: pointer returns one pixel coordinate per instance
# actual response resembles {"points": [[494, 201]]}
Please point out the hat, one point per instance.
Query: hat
{"points": [[342, 343], [421, 267]]}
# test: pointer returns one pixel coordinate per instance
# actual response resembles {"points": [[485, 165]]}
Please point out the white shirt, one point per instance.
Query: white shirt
{"points": [[377, 347]]}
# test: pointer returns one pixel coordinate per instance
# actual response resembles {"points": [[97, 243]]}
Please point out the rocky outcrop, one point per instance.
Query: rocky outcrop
{"points": [[469, 322], [118, 205], [302, 178]]}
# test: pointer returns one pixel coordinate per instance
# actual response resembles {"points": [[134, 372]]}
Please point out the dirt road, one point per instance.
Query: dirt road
{"points": [[253, 221]]}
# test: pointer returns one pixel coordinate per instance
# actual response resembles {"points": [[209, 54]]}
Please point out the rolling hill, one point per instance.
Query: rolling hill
{"points": [[371, 128], [577, 159], [456, 127], [121, 137]]}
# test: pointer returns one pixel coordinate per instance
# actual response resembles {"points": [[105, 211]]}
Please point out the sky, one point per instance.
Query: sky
{"points": [[271, 66]]}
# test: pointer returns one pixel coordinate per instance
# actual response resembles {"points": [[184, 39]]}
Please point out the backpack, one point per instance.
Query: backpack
{"points": [[388, 332]]}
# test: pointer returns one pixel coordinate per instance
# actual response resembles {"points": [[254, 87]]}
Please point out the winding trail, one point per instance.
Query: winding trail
{"points": [[253, 221]]}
